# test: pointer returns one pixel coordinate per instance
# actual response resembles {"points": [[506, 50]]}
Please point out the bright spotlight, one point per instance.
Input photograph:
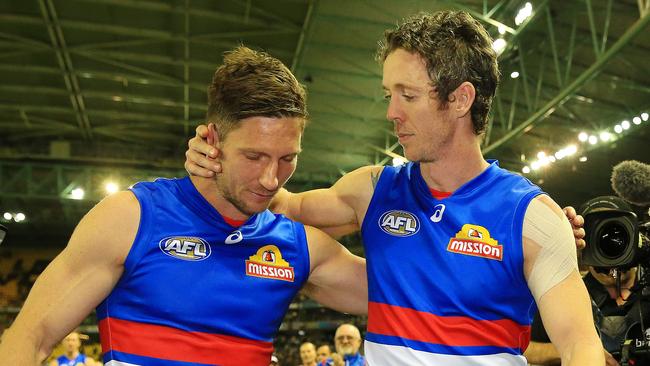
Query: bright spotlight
{"points": [[7, 216], [19, 217], [514, 74], [524, 13], [77, 193], [111, 187], [541, 155], [593, 140], [551, 159], [499, 45], [605, 136], [501, 29], [560, 154], [570, 150], [535, 165], [398, 161], [644, 116], [583, 159], [618, 129], [583, 136], [544, 161], [636, 120], [525, 170], [625, 124]]}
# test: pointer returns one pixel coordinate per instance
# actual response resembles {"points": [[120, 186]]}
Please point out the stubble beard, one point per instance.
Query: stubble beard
{"points": [[228, 195], [439, 147]]}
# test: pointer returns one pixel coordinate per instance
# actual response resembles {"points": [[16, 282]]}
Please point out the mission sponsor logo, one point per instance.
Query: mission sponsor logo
{"points": [[268, 263], [475, 240], [399, 223], [185, 247]]}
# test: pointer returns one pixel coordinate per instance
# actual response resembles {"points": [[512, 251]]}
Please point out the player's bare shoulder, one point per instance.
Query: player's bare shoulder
{"points": [[547, 201], [110, 226], [360, 184]]}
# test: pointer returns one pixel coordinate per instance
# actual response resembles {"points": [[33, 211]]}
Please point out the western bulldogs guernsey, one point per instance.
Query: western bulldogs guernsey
{"points": [[445, 277], [196, 291]]}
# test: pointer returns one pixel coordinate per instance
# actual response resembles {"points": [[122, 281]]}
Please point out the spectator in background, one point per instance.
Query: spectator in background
{"points": [[72, 355], [347, 341], [323, 352], [308, 354]]}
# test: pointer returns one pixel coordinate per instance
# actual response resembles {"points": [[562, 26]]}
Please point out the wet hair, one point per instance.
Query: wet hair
{"points": [[456, 48], [250, 84]]}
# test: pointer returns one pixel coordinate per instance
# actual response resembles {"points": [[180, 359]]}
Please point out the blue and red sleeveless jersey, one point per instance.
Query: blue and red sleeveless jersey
{"points": [[445, 277], [197, 291]]}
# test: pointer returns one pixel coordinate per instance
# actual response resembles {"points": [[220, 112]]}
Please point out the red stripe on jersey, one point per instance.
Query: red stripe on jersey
{"points": [[447, 330], [233, 222], [162, 342], [439, 194]]}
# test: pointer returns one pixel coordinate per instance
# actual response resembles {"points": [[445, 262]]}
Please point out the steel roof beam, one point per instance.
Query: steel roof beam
{"points": [[483, 17], [346, 73], [110, 114], [65, 63], [112, 96], [305, 35], [149, 58], [644, 7], [200, 13], [154, 34], [522, 29], [125, 66], [563, 95]]}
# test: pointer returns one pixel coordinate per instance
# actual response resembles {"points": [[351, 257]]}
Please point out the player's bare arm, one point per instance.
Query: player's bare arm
{"points": [[91, 264], [550, 268], [339, 209], [337, 277]]}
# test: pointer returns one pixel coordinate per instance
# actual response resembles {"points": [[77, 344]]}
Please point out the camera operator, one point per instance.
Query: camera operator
{"points": [[616, 276], [611, 311]]}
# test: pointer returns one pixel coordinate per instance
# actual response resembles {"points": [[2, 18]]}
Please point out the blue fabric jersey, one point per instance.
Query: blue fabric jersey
{"points": [[349, 360], [65, 361], [197, 291], [445, 277]]}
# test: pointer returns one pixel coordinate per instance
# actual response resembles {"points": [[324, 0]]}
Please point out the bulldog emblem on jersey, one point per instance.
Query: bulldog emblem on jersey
{"points": [[185, 247], [475, 240], [268, 263], [399, 223]]}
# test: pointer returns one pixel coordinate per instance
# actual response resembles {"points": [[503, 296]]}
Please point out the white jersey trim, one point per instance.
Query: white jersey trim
{"points": [[387, 355], [119, 363]]}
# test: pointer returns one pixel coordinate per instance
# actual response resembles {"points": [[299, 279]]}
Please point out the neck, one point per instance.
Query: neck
{"points": [[208, 188], [460, 162], [72, 355]]}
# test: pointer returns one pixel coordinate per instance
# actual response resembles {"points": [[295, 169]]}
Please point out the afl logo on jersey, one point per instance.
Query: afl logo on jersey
{"points": [[185, 247], [399, 223]]}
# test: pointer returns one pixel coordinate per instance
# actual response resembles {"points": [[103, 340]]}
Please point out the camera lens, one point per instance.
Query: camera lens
{"points": [[612, 239]]}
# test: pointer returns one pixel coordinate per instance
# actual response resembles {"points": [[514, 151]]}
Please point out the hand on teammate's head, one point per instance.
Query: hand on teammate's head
{"points": [[201, 155]]}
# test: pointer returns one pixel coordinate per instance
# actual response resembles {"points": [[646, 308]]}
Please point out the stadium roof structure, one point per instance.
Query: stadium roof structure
{"points": [[97, 90]]}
